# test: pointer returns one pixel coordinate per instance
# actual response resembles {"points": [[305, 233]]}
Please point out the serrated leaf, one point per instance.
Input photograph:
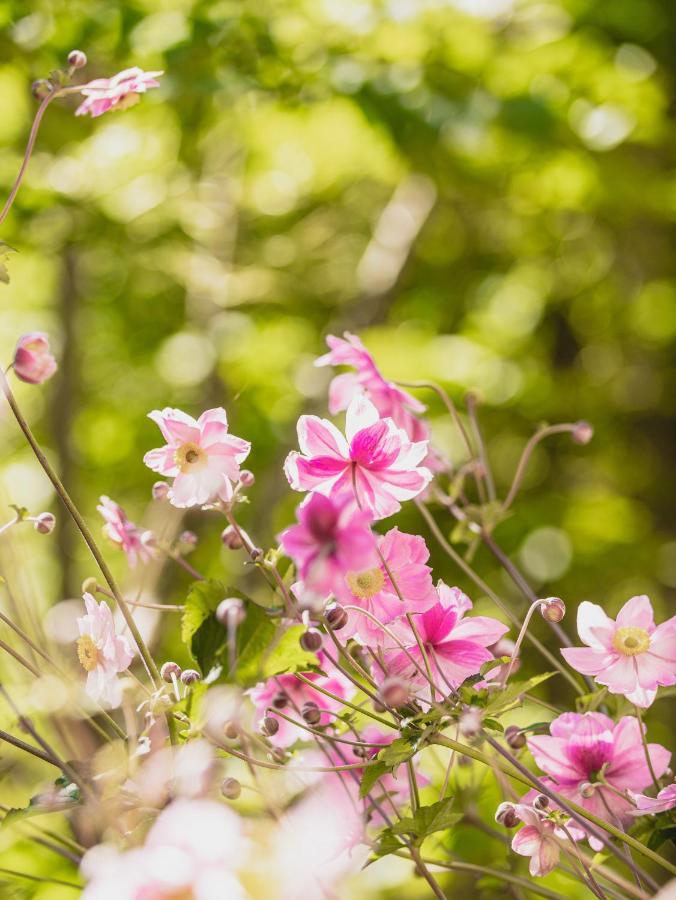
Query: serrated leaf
{"points": [[370, 777], [493, 664], [254, 637], [286, 654], [428, 820], [508, 698], [200, 632], [396, 753], [387, 843]]}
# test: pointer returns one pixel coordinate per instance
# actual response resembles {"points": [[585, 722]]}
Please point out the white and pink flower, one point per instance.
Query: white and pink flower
{"points": [[134, 541], [665, 800], [33, 361], [102, 652], [536, 839], [119, 92]]}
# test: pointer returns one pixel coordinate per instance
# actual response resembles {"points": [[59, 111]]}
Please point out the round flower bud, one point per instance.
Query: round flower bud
{"points": [[506, 815], [280, 700], [188, 538], [231, 788], [470, 723], [231, 731], [394, 693], [190, 676], [160, 490], [278, 755], [169, 671], [587, 790], [231, 539], [336, 617], [230, 612], [311, 640], [541, 802], [514, 737], [553, 609], [44, 523], [77, 59], [255, 553], [246, 478], [269, 726], [90, 586], [311, 713], [41, 89], [582, 433]]}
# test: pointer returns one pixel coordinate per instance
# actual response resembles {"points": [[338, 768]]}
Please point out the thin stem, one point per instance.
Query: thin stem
{"points": [[359, 709], [478, 437], [27, 748], [14, 874], [595, 886], [519, 640], [646, 749], [526, 455]]}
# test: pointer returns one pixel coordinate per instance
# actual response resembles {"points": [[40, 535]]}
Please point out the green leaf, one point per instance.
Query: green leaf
{"points": [[254, 637], [371, 775], [511, 695], [493, 664], [657, 838], [200, 632], [286, 654], [397, 752], [387, 843], [428, 819]]}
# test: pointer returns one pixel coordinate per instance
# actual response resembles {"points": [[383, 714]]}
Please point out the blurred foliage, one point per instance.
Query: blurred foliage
{"points": [[484, 189]]}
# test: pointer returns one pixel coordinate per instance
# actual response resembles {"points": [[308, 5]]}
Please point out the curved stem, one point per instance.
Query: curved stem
{"points": [[646, 749], [526, 455]]}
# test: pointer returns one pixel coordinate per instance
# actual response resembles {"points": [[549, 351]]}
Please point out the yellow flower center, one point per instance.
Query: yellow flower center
{"points": [[87, 653], [188, 455], [365, 584], [629, 640]]}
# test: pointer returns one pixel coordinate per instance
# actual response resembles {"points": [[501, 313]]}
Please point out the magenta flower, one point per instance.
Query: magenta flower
{"points": [[455, 647], [377, 464], [119, 92], [665, 800], [582, 746], [200, 455], [630, 655], [102, 652], [536, 839], [33, 361], [404, 555], [120, 530], [331, 538]]}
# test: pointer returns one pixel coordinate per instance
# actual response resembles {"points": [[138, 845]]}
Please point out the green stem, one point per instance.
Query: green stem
{"points": [[359, 709], [646, 750]]}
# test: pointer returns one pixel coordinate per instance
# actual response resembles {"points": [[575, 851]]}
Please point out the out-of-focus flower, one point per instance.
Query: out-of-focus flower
{"points": [[119, 92], [102, 653], [455, 647], [665, 800], [536, 839], [403, 557], [134, 541], [331, 538], [33, 361], [377, 464], [582, 745], [630, 655], [187, 771], [200, 455]]}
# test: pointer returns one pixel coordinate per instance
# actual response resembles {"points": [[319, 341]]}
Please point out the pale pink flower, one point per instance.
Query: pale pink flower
{"points": [[536, 839], [33, 361], [377, 463], [331, 538], [102, 652], [665, 800], [403, 556], [630, 655], [580, 745], [455, 646], [288, 694], [200, 455], [122, 531], [119, 92]]}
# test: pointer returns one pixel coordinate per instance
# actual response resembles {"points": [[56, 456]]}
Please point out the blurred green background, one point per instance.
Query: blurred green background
{"points": [[484, 189]]}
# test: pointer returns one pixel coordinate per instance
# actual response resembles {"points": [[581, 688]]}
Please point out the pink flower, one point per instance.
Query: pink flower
{"points": [[536, 839], [455, 647], [33, 363], [289, 694], [119, 92], [378, 464], [199, 454], [629, 655], [120, 530], [581, 746], [404, 558], [665, 800], [331, 538], [102, 653]]}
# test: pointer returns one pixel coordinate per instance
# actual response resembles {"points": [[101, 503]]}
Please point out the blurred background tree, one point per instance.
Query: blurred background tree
{"points": [[484, 189]]}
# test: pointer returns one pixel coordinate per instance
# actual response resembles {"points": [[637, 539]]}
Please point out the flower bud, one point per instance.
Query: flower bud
{"points": [[231, 731], [394, 693], [587, 790], [515, 739], [269, 726], [188, 539], [311, 713], [90, 586], [231, 788], [44, 523], [506, 815], [246, 478], [280, 700], [160, 490], [169, 671], [230, 612], [582, 433], [553, 609], [278, 755], [231, 539], [40, 89], [256, 553], [77, 59], [541, 802], [311, 640], [470, 722], [33, 362], [190, 676], [336, 617]]}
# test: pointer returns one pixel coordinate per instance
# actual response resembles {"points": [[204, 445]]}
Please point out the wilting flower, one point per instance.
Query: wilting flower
{"points": [[378, 464], [630, 655], [665, 800], [403, 556], [455, 647], [581, 747], [200, 455], [536, 839], [332, 537], [119, 92], [119, 529], [192, 850], [33, 361], [103, 654]]}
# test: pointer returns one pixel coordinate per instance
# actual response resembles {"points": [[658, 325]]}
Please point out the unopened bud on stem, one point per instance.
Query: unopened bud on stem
{"points": [[230, 612], [77, 59], [169, 671], [160, 490], [90, 586], [246, 478], [553, 609], [44, 523], [231, 538], [41, 89], [231, 788], [336, 617], [190, 676], [514, 737], [541, 802], [269, 726], [506, 815], [311, 713], [311, 640], [394, 693], [582, 433]]}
